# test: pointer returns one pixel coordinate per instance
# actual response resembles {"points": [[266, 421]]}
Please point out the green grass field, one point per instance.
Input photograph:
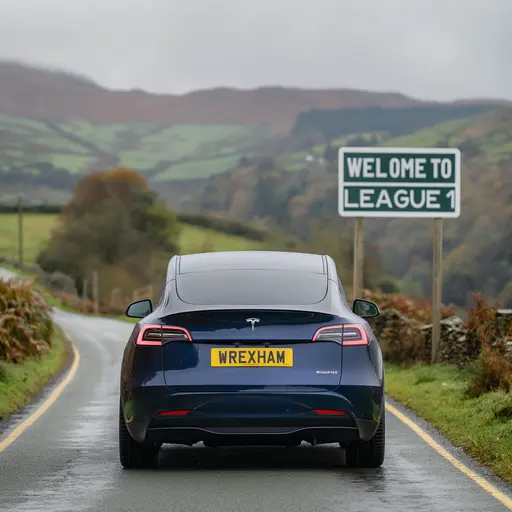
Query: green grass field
{"points": [[37, 229], [179, 151], [481, 426]]}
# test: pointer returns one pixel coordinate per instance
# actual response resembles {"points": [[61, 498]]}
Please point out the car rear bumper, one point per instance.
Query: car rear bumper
{"points": [[253, 417], [281, 431]]}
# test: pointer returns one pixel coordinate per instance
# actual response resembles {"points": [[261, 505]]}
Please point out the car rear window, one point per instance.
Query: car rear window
{"points": [[254, 287]]}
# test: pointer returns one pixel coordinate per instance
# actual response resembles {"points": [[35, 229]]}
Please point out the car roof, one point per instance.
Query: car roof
{"points": [[251, 260]]}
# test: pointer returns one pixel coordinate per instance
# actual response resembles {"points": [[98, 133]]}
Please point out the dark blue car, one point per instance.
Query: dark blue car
{"points": [[246, 348]]}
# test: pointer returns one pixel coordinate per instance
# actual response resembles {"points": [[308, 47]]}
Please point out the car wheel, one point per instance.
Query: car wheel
{"points": [[368, 454], [134, 455]]}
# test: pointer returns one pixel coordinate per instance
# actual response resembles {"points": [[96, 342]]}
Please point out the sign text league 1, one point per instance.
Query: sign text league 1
{"points": [[399, 182]]}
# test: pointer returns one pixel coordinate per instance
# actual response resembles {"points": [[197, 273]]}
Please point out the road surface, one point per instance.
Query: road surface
{"points": [[68, 461]]}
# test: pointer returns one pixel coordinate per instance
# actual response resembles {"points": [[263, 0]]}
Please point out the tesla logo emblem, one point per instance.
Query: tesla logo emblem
{"points": [[252, 321]]}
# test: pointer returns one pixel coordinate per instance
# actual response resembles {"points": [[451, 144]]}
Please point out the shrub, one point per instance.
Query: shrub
{"points": [[480, 315], [414, 309], [401, 339], [25, 324], [388, 285], [73, 301], [493, 368], [59, 282], [489, 372]]}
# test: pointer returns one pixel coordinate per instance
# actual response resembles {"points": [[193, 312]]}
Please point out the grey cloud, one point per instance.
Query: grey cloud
{"points": [[426, 48]]}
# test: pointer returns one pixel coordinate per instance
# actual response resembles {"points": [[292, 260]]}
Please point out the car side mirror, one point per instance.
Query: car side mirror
{"points": [[365, 308], [139, 308]]}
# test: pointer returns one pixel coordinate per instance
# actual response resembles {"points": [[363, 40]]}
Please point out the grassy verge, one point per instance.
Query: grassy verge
{"points": [[481, 426], [20, 382]]}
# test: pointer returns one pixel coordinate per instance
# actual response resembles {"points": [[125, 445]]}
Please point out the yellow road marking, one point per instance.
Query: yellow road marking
{"points": [[482, 482], [46, 404]]}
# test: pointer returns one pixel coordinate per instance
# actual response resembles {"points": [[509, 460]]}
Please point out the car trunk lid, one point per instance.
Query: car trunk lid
{"points": [[250, 349]]}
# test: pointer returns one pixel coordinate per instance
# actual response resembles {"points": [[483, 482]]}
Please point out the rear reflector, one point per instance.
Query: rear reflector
{"points": [[329, 411], [180, 412], [348, 335], [157, 335]]}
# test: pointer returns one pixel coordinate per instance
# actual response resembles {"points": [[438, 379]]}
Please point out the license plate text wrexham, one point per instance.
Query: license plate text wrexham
{"points": [[251, 357]]}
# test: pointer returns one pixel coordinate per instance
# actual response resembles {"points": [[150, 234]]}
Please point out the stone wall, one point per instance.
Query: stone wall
{"points": [[406, 340]]}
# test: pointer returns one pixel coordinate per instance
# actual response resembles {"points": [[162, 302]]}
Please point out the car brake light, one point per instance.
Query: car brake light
{"points": [[347, 335], [180, 412], [157, 335]]}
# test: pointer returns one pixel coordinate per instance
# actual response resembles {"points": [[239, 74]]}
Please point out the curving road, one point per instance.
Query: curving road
{"points": [[68, 460]]}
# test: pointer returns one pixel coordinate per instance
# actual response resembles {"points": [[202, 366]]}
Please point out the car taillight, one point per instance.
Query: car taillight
{"points": [[157, 335], [347, 335]]}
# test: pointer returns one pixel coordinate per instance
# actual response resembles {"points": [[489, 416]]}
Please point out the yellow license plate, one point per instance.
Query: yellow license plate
{"points": [[251, 357]]}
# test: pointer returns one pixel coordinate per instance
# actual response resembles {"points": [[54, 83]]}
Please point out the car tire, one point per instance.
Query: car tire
{"points": [[368, 454], [134, 455]]}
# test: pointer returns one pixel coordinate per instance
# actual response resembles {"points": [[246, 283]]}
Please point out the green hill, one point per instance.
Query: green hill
{"points": [[43, 158], [163, 152]]}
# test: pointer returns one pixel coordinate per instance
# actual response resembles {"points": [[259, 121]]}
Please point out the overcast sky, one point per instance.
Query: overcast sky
{"points": [[439, 49]]}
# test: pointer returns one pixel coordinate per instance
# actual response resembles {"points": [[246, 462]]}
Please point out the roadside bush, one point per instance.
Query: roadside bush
{"points": [[73, 301], [388, 285], [414, 309], [489, 372], [493, 368], [33, 268], [401, 339], [25, 324], [59, 281]]}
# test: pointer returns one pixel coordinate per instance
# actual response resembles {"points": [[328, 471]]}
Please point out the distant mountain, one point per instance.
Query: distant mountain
{"points": [[34, 92], [55, 126]]}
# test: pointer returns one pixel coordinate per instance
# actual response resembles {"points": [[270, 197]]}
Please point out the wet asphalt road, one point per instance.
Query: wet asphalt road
{"points": [[68, 460]]}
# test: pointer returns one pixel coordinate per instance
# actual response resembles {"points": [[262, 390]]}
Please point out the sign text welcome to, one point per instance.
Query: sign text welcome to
{"points": [[399, 182]]}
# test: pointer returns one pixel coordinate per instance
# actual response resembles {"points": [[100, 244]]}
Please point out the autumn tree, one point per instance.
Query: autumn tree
{"points": [[116, 225]]}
